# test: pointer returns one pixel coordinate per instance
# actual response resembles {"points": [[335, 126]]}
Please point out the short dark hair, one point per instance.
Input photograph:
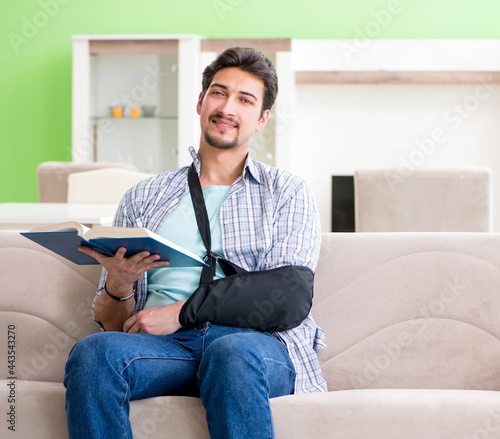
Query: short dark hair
{"points": [[248, 60]]}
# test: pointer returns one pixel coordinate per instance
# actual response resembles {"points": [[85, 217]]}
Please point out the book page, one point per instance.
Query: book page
{"points": [[116, 232], [68, 226]]}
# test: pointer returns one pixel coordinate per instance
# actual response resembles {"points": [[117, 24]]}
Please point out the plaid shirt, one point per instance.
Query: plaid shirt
{"points": [[268, 220]]}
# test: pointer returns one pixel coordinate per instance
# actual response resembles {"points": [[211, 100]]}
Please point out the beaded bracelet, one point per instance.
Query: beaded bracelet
{"points": [[119, 299]]}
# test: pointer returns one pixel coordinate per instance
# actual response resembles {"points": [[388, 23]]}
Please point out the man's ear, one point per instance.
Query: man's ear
{"points": [[261, 124], [200, 101]]}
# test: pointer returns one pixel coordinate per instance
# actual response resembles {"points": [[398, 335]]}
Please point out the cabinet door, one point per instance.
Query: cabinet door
{"points": [[126, 100], [142, 91]]}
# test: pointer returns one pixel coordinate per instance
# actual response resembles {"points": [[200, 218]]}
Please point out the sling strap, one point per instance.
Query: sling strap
{"points": [[203, 222]]}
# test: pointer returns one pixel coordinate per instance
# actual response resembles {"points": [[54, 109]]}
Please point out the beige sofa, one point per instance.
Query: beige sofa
{"points": [[413, 327]]}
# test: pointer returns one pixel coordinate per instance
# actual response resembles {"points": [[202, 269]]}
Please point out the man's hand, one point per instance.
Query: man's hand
{"points": [[122, 271], [162, 320]]}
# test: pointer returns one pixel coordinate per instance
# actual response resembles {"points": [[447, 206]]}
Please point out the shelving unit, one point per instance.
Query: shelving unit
{"points": [[132, 71]]}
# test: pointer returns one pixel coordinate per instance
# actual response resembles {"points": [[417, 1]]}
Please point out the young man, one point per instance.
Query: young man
{"points": [[260, 218]]}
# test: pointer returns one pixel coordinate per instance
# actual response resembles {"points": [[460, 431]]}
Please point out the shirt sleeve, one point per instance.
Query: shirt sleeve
{"points": [[297, 231]]}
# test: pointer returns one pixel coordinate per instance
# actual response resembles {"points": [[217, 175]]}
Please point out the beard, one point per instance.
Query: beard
{"points": [[220, 143]]}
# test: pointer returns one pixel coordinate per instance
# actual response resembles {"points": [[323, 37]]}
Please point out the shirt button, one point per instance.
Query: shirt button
{"points": [[226, 221], [230, 255]]}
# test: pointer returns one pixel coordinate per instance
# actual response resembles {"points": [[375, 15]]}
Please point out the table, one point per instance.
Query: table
{"points": [[25, 216]]}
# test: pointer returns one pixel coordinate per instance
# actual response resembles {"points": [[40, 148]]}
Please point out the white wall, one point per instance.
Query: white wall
{"points": [[338, 128]]}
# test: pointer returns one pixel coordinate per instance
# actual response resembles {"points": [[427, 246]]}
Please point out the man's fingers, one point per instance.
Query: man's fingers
{"points": [[137, 263], [129, 323], [147, 261]]}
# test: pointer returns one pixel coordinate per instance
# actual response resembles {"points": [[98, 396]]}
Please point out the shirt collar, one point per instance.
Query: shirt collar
{"points": [[249, 167], [196, 159]]}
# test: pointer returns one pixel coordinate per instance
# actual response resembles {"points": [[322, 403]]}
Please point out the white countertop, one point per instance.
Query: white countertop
{"points": [[24, 216]]}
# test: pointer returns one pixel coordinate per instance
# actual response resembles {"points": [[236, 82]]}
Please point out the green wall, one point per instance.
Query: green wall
{"points": [[35, 51]]}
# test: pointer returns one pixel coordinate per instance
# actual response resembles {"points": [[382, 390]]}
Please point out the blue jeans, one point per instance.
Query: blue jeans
{"points": [[235, 371]]}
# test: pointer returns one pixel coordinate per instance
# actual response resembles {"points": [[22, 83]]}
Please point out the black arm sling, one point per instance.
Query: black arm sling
{"points": [[270, 300]]}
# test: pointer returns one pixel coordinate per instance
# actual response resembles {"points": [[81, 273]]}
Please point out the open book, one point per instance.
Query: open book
{"points": [[64, 238]]}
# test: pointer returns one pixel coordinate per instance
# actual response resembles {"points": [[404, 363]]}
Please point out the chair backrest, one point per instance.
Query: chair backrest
{"points": [[425, 200], [107, 185], [53, 177]]}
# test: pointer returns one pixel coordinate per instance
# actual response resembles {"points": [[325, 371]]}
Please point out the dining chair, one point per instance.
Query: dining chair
{"points": [[423, 200], [52, 177], [107, 185]]}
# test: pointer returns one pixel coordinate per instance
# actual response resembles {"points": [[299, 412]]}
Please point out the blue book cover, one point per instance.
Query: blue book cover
{"points": [[64, 243], [65, 238]]}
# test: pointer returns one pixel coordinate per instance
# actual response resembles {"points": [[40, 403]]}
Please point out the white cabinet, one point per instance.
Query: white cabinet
{"points": [[133, 72]]}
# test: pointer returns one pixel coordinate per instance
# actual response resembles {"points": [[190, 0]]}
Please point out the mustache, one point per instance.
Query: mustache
{"points": [[220, 115]]}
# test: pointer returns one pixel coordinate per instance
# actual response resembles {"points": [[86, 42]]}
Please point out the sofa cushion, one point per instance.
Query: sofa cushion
{"points": [[389, 414], [46, 303], [410, 310]]}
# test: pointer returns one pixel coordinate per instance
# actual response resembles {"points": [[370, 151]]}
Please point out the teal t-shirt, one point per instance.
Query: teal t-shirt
{"points": [[168, 285]]}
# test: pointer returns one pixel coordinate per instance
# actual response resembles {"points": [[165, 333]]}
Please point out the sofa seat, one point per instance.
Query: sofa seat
{"points": [[344, 414]]}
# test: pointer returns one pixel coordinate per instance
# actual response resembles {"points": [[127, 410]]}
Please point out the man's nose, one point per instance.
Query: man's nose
{"points": [[228, 107]]}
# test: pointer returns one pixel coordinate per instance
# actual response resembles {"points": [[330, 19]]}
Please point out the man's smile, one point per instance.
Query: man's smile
{"points": [[224, 124]]}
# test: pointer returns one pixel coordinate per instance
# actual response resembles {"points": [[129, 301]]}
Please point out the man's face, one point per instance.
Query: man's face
{"points": [[230, 111]]}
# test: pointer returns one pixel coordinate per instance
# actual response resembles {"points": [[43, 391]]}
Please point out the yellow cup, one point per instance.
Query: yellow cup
{"points": [[117, 112], [135, 112]]}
